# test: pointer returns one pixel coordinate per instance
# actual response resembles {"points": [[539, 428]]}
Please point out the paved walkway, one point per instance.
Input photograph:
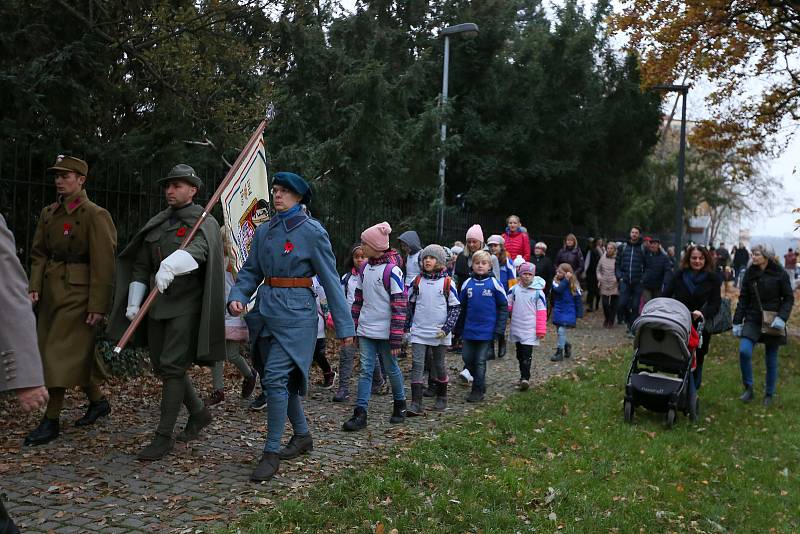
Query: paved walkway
{"points": [[89, 481]]}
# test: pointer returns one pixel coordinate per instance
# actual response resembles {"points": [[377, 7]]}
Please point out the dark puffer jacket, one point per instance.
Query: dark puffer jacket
{"points": [[706, 294], [656, 269], [573, 256], [775, 289], [630, 263]]}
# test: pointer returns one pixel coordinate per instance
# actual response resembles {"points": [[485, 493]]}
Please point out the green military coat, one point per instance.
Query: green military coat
{"points": [[200, 292], [72, 269]]}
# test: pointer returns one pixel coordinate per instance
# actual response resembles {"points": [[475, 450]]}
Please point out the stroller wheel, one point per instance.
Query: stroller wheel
{"points": [[671, 418], [628, 412]]}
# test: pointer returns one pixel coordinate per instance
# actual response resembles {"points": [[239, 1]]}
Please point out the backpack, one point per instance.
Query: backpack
{"points": [[445, 289], [387, 276]]}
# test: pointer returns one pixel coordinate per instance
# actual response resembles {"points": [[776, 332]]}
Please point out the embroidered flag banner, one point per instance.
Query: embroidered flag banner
{"points": [[245, 201]]}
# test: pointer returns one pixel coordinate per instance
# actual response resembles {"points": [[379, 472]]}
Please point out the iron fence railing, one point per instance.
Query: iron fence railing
{"points": [[132, 196]]}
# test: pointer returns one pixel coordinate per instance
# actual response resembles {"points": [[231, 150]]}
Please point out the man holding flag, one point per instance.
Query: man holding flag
{"points": [[285, 254], [186, 324]]}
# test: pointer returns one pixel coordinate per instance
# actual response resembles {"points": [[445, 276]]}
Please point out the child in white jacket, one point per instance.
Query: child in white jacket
{"points": [[528, 306]]}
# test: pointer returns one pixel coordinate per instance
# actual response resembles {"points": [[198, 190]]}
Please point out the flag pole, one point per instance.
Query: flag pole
{"points": [[259, 132]]}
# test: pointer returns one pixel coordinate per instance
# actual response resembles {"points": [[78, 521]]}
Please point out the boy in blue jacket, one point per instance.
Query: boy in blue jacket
{"points": [[484, 311]]}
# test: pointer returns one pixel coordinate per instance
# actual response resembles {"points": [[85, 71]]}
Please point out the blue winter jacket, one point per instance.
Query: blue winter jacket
{"points": [[656, 270], [484, 309], [630, 263], [567, 308]]}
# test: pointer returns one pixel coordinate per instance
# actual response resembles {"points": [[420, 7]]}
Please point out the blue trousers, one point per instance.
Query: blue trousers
{"points": [[562, 337], [474, 355], [629, 297], [280, 382], [770, 358], [371, 350]]}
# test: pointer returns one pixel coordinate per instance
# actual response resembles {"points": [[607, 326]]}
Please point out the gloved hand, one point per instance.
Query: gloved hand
{"points": [[136, 293], [441, 334], [178, 263], [778, 323], [737, 330]]}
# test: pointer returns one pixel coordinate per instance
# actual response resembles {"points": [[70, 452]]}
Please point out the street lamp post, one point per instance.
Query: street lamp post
{"points": [[468, 29], [679, 200]]}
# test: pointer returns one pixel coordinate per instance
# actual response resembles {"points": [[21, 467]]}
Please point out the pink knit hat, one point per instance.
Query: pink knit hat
{"points": [[526, 267], [377, 236], [475, 232]]}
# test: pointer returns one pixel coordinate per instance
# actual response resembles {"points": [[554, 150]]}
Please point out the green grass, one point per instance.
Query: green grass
{"points": [[561, 457]]}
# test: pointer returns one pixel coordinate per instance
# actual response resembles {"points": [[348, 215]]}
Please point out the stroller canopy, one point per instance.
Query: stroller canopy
{"points": [[665, 314]]}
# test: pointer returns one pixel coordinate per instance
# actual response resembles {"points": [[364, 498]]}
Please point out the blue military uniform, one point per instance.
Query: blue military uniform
{"points": [[291, 246]]}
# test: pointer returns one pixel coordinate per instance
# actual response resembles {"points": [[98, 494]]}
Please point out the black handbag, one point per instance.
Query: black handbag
{"points": [[722, 321]]}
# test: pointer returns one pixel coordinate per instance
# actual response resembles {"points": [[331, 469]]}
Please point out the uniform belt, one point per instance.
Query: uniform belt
{"points": [[70, 258], [275, 281]]}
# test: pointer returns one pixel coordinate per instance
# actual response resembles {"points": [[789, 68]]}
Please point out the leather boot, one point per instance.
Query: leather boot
{"points": [[194, 425], [430, 391], [441, 397], [95, 411], [558, 356], [747, 396], [568, 350], [46, 432], [172, 392], [416, 407], [249, 384], [501, 346], [398, 412], [158, 448], [267, 467], [298, 444], [358, 421], [476, 395]]}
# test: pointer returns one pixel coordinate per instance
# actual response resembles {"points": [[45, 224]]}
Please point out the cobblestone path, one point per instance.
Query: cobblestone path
{"points": [[89, 481]]}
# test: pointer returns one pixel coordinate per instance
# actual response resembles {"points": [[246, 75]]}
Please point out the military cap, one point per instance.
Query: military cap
{"points": [[184, 173], [69, 164], [291, 181]]}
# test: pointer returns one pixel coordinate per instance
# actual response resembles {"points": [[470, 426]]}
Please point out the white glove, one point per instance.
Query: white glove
{"points": [[136, 293], [178, 263]]}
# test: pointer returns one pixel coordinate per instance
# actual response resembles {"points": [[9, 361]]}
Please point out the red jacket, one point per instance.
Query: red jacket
{"points": [[517, 244]]}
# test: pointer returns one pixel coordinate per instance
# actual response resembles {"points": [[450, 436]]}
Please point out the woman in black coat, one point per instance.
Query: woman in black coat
{"points": [[767, 281], [697, 286]]}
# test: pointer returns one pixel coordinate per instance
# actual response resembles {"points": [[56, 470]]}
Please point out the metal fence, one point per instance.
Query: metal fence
{"points": [[132, 196]]}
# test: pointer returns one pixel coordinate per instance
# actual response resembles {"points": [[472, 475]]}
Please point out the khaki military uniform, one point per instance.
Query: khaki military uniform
{"points": [[174, 317], [72, 269]]}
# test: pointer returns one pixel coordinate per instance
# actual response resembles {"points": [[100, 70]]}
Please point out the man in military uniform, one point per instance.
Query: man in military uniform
{"points": [[185, 324], [71, 282]]}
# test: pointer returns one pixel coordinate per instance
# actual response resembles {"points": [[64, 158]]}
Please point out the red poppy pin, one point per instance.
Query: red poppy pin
{"points": [[287, 248], [181, 231], [67, 228]]}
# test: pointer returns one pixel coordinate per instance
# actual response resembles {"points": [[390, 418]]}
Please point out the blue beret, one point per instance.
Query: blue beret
{"points": [[291, 181]]}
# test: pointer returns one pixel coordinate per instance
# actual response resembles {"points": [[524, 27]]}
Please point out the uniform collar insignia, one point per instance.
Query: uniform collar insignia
{"points": [[71, 203]]}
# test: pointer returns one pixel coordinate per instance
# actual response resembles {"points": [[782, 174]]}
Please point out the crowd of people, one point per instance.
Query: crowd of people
{"points": [[421, 300]]}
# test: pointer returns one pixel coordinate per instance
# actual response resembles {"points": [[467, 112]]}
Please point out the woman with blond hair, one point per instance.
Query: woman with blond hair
{"points": [[517, 241]]}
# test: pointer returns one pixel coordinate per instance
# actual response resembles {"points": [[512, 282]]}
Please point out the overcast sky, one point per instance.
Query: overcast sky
{"points": [[785, 169]]}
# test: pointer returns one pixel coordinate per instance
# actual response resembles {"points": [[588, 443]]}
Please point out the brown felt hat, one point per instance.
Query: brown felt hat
{"points": [[70, 164]]}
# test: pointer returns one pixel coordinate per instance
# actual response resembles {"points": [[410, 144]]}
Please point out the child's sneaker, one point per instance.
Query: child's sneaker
{"points": [[466, 376], [524, 385], [259, 403]]}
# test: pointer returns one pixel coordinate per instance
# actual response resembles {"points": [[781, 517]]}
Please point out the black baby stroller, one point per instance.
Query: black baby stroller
{"points": [[660, 377]]}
